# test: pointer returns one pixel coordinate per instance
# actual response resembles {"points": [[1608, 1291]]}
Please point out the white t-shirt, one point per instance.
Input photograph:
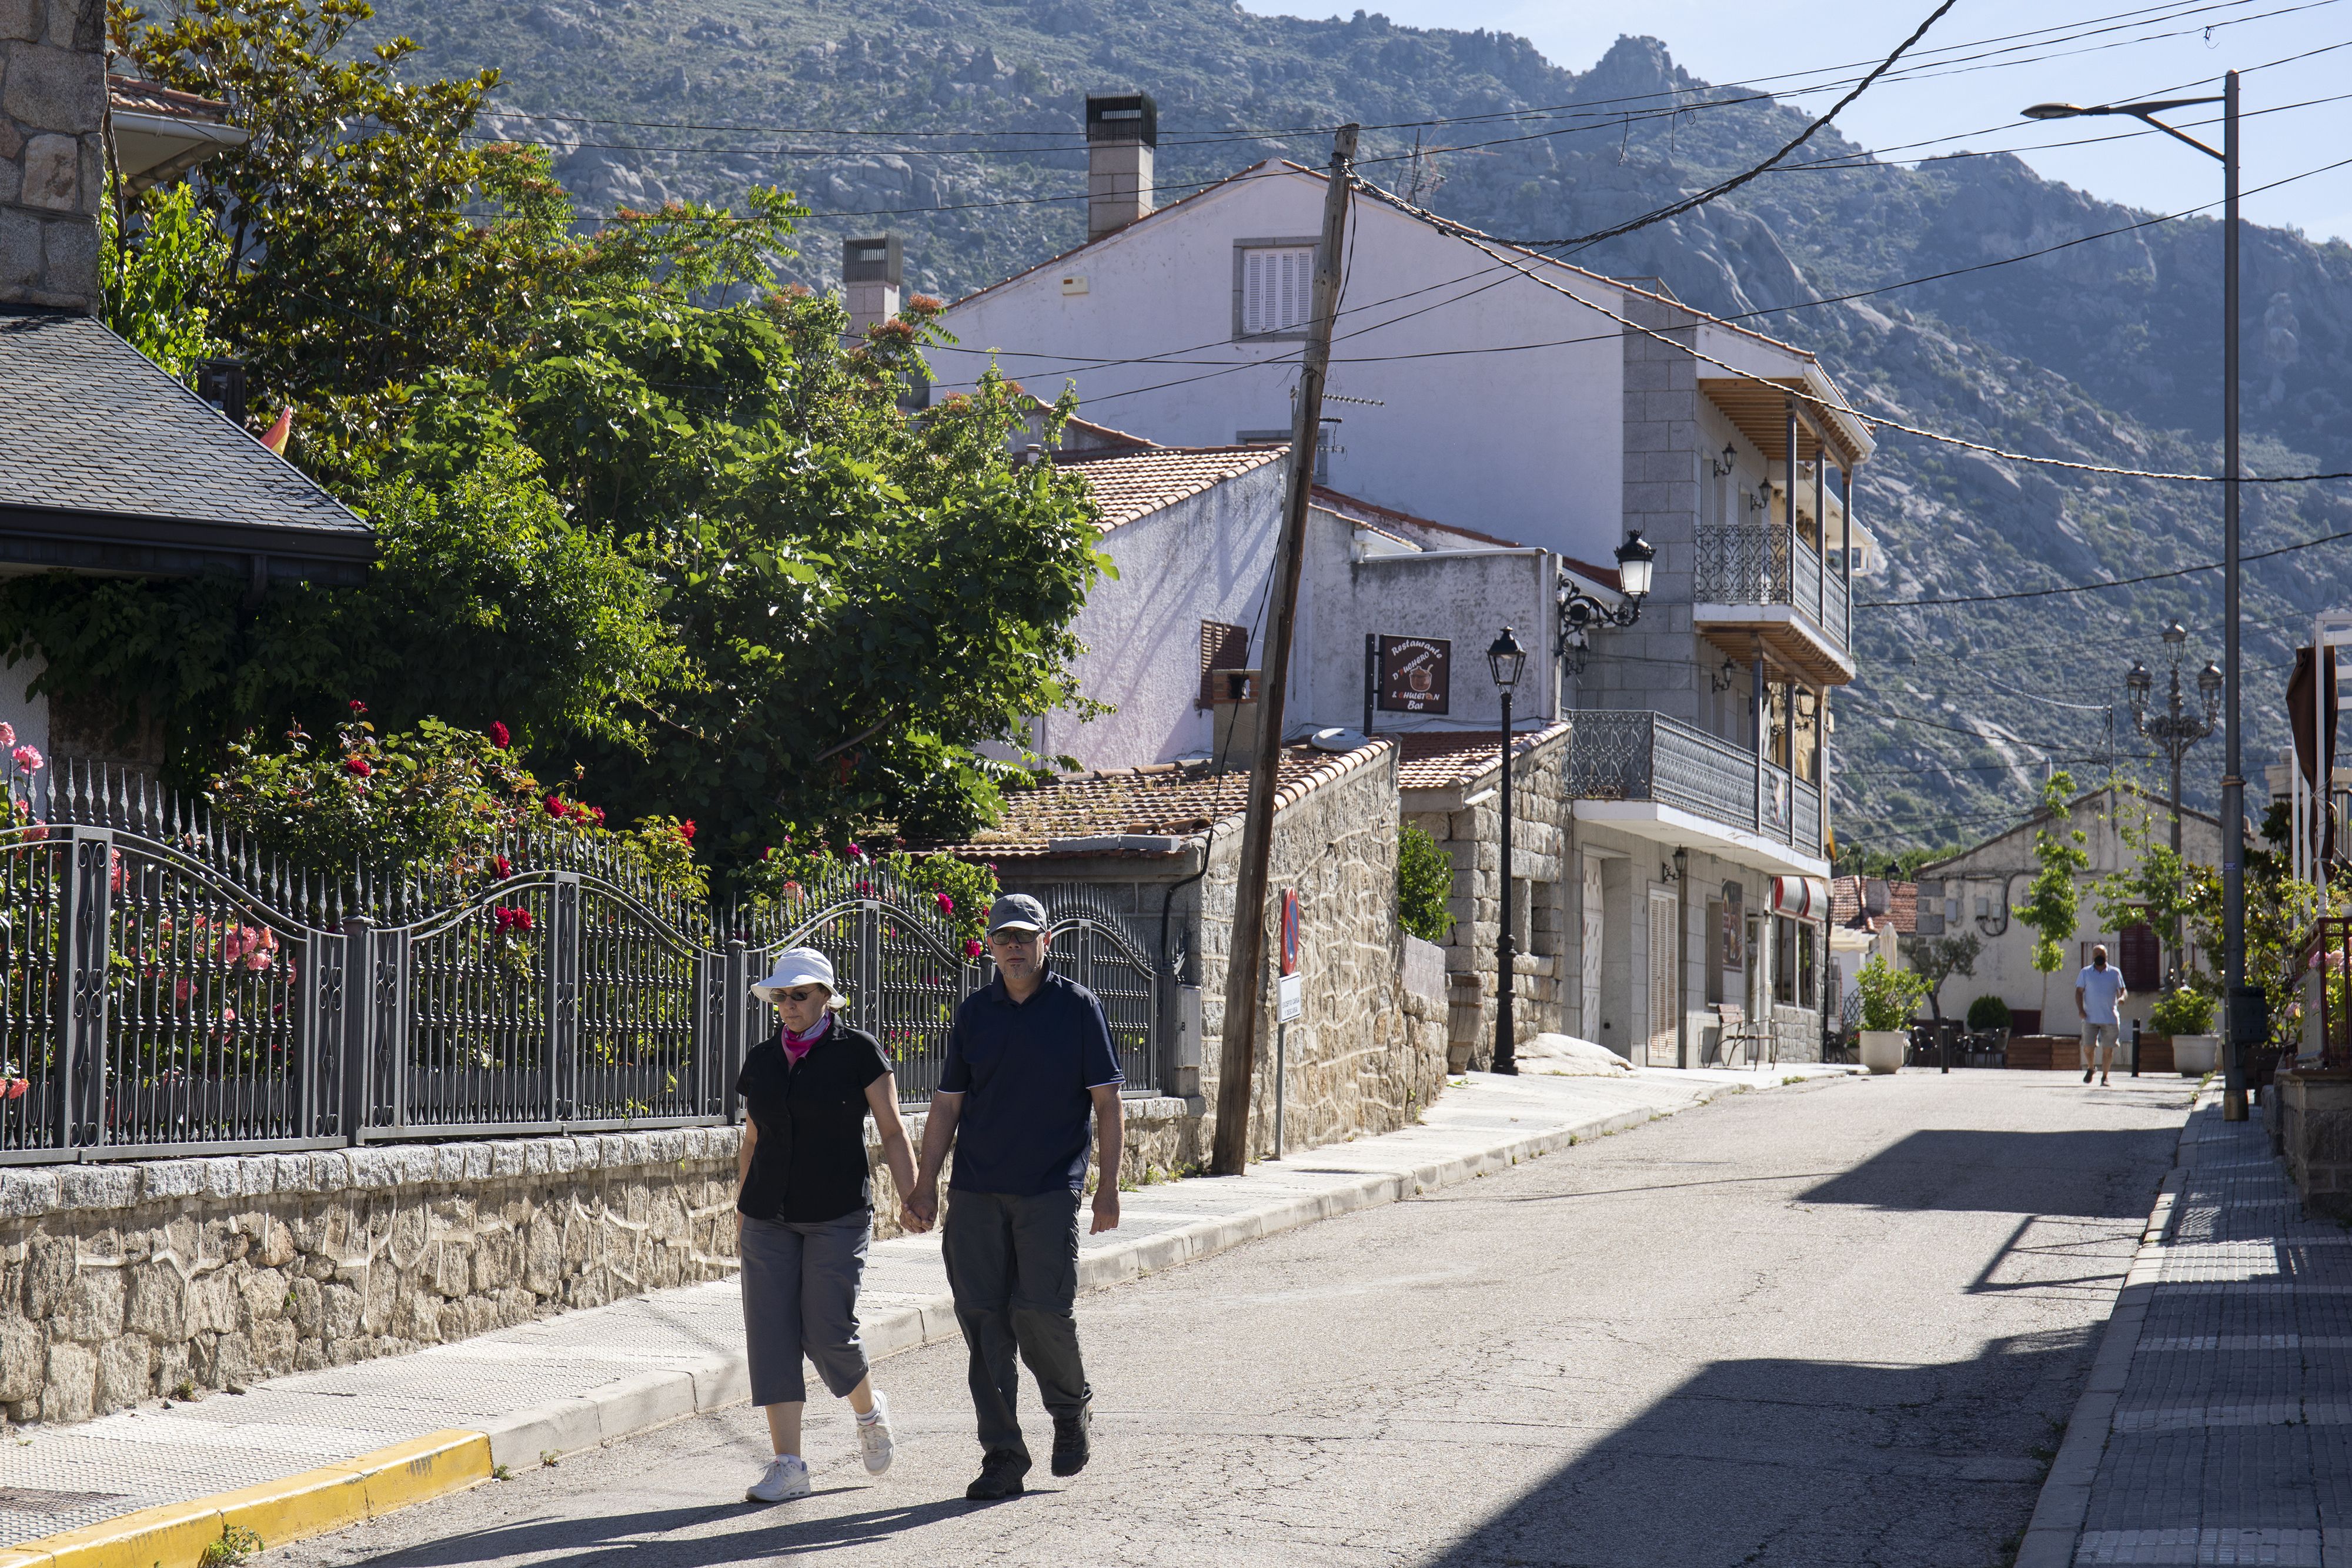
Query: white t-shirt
{"points": [[2100, 987]]}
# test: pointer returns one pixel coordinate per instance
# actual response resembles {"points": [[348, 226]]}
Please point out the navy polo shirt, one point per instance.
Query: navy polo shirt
{"points": [[1024, 1069]]}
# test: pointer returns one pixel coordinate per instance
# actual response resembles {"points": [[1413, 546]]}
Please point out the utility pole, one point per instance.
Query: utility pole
{"points": [[1245, 957], [2234, 784]]}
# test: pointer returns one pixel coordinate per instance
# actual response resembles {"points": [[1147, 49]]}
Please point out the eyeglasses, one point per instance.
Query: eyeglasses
{"points": [[1010, 939]]}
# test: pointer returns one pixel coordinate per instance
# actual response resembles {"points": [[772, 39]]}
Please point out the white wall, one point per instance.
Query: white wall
{"points": [[1526, 444], [28, 715], [1206, 557]]}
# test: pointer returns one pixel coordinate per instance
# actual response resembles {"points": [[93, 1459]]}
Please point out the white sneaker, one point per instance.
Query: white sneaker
{"points": [[874, 1435], [787, 1477]]}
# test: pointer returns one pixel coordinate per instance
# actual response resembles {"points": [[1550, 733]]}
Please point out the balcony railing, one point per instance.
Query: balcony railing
{"points": [[1750, 565], [1636, 754]]}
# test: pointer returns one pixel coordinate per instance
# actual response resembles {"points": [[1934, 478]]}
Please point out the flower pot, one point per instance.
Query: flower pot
{"points": [[1883, 1049], [2195, 1055]]}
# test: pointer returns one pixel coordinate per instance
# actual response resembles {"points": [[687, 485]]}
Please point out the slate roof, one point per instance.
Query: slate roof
{"points": [[1155, 808], [109, 464], [1129, 485], [1451, 759]]}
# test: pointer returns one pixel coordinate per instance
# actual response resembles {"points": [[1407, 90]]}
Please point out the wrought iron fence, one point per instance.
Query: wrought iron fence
{"points": [[1746, 564], [1634, 754], [163, 990], [2323, 1035]]}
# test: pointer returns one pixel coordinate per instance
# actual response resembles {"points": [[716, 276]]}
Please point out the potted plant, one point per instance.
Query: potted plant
{"points": [[2187, 1016], [1989, 1015], [1889, 996]]}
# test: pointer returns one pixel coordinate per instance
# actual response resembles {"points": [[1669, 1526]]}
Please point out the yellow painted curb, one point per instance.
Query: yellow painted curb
{"points": [[310, 1503]]}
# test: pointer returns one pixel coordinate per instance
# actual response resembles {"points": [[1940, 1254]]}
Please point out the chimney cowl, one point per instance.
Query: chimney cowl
{"points": [[878, 259], [1122, 117]]}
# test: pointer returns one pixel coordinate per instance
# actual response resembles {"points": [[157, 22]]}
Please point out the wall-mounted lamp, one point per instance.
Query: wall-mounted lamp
{"points": [[1580, 612], [1722, 465], [1762, 499], [1722, 679]]}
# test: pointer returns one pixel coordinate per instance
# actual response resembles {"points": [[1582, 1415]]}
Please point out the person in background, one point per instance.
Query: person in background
{"points": [[2098, 990], [805, 1213], [1028, 1060]]}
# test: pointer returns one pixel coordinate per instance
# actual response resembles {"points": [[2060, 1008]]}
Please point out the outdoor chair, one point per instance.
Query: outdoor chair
{"points": [[1739, 1032]]}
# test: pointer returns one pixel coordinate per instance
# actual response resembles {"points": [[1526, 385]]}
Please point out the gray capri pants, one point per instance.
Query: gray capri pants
{"points": [[800, 1294]]}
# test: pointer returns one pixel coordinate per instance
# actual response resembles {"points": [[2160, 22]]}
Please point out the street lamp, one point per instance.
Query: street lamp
{"points": [[1580, 612], [2240, 1009], [2176, 729], [1504, 659]]}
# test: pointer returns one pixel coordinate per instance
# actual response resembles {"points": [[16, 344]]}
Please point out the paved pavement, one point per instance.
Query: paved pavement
{"points": [[1839, 1324], [585, 1378], [2218, 1427]]}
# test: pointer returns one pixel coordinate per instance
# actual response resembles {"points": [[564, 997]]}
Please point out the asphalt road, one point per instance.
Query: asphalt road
{"points": [[1837, 1324]]}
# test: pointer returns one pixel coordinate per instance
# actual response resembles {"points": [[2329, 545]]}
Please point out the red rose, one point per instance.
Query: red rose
{"points": [[971, 948], [557, 808], [358, 706], [685, 830], [498, 737], [522, 919], [358, 765], [503, 869]]}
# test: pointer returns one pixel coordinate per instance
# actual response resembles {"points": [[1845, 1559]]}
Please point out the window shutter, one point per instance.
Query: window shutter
{"points": [[1277, 289], [1223, 647]]}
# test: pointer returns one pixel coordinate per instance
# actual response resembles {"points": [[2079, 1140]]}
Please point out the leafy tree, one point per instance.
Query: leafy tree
{"points": [[1424, 884], [2051, 904], [1935, 959], [2158, 886], [2279, 915], [1889, 995], [156, 279], [1894, 865]]}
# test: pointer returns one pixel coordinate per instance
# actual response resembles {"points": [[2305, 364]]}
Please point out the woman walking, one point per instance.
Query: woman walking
{"points": [[805, 1211]]}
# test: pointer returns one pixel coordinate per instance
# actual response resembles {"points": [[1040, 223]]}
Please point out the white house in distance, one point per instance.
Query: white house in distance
{"points": [[1520, 416]]}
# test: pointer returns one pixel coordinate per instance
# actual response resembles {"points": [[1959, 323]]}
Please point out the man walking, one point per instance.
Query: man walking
{"points": [[1029, 1059], [2097, 990]]}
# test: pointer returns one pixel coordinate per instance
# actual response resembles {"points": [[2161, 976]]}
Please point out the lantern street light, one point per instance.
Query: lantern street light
{"points": [[1580, 612], [2242, 1007], [1504, 659], [2176, 729]]}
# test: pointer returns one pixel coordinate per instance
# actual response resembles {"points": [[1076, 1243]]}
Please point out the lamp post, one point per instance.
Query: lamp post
{"points": [[1504, 659], [2175, 731], [2233, 786], [1580, 612]]}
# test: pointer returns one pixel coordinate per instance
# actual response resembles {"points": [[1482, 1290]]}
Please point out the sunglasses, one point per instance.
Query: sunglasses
{"points": [[1013, 940], [799, 993]]}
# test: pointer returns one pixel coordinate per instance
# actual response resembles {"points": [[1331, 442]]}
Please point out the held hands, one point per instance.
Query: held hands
{"points": [[1106, 1207], [920, 1209]]}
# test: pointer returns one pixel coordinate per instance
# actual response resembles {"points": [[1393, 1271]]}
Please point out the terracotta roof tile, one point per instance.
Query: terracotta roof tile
{"points": [[1449, 759], [1159, 806], [1902, 912], [133, 95], [1132, 484]]}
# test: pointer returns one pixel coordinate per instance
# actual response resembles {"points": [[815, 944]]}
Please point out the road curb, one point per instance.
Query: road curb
{"points": [[2065, 1499], [332, 1496], [288, 1509]]}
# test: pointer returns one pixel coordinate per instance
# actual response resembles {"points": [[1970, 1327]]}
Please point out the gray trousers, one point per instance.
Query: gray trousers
{"points": [[1012, 1263], [800, 1295]]}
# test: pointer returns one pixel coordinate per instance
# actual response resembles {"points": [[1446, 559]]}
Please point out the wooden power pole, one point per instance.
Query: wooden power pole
{"points": [[1245, 957]]}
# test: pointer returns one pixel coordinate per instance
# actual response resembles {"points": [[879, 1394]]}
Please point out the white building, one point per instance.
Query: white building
{"points": [[1498, 422]]}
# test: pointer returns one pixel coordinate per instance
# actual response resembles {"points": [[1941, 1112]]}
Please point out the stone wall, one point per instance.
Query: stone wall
{"points": [[121, 1283], [52, 150], [1357, 1064], [2310, 1112], [1467, 823]]}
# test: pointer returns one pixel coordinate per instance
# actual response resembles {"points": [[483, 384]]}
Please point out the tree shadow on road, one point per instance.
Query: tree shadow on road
{"points": [[1807, 1464], [647, 1537], [2060, 1173]]}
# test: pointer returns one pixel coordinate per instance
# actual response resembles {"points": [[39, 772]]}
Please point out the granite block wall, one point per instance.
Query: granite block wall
{"points": [[52, 150]]}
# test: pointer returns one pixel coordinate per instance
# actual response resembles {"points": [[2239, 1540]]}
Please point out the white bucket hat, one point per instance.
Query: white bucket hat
{"points": [[799, 967]]}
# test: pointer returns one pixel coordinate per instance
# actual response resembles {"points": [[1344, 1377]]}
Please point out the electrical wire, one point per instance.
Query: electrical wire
{"points": [[2111, 582]]}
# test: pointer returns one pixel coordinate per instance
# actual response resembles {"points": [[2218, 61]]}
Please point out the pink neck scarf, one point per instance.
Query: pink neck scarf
{"points": [[797, 1045]]}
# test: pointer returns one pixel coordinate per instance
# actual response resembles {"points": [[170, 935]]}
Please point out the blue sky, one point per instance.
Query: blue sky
{"points": [[2101, 52]]}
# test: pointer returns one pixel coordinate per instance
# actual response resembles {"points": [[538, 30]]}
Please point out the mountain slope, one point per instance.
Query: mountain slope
{"points": [[2106, 352]]}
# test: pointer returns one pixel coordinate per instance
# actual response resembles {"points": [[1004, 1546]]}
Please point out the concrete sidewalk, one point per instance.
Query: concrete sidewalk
{"points": [[2217, 1423], [313, 1451]]}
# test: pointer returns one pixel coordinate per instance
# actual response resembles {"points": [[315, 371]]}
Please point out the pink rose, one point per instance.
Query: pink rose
{"points": [[971, 948], [947, 904], [28, 758], [8, 735]]}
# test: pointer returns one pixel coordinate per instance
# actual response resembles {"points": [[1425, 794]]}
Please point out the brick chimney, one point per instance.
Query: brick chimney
{"points": [[52, 150], [872, 271], [1122, 130]]}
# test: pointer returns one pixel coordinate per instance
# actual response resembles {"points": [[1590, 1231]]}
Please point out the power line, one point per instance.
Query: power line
{"points": [[2113, 583]]}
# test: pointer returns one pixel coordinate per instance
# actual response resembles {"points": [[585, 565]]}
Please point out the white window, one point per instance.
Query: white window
{"points": [[1277, 289]]}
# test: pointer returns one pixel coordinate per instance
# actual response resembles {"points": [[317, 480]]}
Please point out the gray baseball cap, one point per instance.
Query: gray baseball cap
{"points": [[1016, 912]]}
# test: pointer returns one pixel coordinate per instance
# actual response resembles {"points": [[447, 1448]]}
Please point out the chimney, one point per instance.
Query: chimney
{"points": [[52, 151], [1234, 713], [1122, 129], [871, 273]]}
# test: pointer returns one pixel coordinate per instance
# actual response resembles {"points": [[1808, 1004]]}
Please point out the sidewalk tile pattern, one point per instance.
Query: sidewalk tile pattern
{"points": [[2231, 1439]]}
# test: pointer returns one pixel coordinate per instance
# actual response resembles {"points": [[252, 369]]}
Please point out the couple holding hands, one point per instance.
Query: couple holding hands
{"points": [[1029, 1065]]}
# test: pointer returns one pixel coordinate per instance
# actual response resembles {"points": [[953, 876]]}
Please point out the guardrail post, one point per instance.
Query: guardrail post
{"points": [[356, 985]]}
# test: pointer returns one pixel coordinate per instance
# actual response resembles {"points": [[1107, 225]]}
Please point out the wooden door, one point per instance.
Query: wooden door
{"points": [[1665, 996]]}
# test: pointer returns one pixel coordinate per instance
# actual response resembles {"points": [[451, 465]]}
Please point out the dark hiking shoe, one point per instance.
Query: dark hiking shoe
{"points": [[1000, 1478], [1070, 1448], [2086, 1074]]}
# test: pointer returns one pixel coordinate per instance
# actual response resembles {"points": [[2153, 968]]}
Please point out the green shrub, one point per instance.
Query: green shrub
{"points": [[1989, 1012], [1424, 885], [1889, 995], [2183, 1011]]}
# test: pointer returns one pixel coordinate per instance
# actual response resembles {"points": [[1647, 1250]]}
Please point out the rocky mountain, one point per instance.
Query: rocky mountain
{"points": [[2104, 352]]}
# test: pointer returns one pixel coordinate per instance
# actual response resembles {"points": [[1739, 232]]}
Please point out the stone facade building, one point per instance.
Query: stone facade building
{"points": [[52, 151]]}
